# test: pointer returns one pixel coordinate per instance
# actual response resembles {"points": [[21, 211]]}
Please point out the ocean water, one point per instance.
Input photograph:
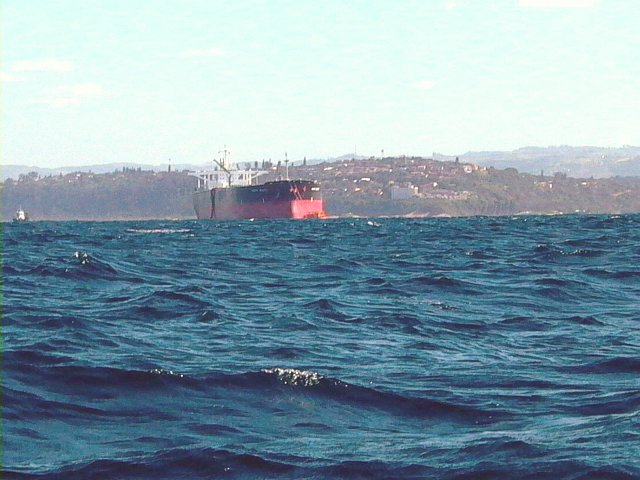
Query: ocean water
{"points": [[351, 348]]}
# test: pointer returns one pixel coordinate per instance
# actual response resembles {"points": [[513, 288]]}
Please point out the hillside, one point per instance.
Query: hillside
{"points": [[389, 186], [421, 186], [577, 162], [14, 172], [126, 194]]}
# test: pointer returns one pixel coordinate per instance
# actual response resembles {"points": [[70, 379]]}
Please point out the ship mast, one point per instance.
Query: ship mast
{"points": [[224, 173], [223, 163], [286, 165]]}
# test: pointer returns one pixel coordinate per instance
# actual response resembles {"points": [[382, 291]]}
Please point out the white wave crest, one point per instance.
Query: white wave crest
{"points": [[292, 376], [162, 371], [158, 230]]}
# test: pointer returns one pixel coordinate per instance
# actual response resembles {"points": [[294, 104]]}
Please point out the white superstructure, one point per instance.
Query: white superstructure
{"points": [[225, 174]]}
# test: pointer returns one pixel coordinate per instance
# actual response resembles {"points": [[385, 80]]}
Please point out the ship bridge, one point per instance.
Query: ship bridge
{"points": [[224, 174], [218, 178]]}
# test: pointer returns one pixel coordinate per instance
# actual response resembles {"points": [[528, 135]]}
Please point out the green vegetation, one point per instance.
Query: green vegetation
{"points": [[373, 187], [362, 187], [125, 194]]}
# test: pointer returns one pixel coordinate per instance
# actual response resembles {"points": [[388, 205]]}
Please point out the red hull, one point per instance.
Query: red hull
{"points": [[288, 209], [229, 209]]}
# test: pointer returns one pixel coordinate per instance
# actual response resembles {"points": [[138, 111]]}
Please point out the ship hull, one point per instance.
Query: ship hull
{"points": [[282, 199]]}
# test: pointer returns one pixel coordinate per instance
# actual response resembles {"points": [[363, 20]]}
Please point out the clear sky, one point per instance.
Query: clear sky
{"points": [[99, 81]]}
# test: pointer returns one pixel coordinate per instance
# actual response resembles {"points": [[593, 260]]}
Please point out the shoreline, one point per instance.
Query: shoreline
{"points": [[329, 217]]}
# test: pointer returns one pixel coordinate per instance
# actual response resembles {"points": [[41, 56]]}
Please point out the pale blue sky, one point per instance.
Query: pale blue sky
{"points": [[98, 81]]}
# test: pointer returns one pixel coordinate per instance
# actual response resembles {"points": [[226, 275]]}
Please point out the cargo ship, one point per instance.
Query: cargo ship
{"points": [[226, 193]]}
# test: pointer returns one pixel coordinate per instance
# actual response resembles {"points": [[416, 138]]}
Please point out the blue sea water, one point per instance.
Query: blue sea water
{"points": [[351, 348]]}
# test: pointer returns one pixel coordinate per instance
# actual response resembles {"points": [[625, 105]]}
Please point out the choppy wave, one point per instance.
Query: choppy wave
{"points": [[416, 348], [158, 230]]}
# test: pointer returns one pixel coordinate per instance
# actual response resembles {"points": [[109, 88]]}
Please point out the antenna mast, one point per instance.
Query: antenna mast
{"points": [[222, 163], [286, 165]]}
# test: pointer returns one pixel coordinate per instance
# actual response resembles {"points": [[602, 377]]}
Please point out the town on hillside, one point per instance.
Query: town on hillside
{"points": [[393, 186]]}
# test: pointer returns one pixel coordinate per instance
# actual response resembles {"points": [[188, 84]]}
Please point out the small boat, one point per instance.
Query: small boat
{"points": [[21, 216]]}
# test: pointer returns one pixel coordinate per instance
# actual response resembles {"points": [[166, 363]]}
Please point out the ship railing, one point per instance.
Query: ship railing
{"points": [[220, 178]]}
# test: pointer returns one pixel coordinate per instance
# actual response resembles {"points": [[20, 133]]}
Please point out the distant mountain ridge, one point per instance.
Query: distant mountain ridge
{"points": [[14, 171], [577, 162]]}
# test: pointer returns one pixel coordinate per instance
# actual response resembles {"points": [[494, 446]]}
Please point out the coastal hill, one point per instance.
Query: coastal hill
{"points": [[408, 186], [578, 162], [422, 186], [14, 172], [124, 194], [598, 162]]}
